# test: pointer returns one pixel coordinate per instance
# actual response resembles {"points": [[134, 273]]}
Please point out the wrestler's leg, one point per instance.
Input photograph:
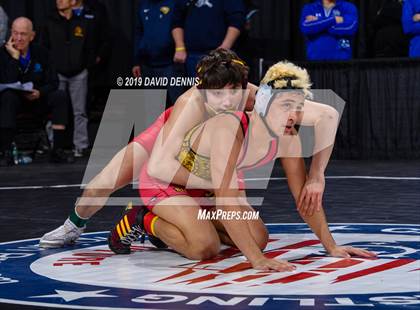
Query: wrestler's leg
{"points": [[224, 237], [179, 227], [256, 227], [121, 170]]}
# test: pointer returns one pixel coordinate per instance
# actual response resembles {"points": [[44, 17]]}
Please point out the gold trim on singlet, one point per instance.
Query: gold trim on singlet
{"points": [[197, 164]]}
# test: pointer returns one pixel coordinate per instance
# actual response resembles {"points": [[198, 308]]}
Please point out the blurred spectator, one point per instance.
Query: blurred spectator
{"points": [[98, 81], [388, 37], [411, 25], [96, 11], [329, 27], [200, 26], [154, 46], [246, 47], [26, 62], [71, 43], [3, 25]]}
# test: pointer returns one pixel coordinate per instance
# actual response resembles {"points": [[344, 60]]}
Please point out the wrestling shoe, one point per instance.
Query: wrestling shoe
{"points": [[66, 234], [129, 229]]}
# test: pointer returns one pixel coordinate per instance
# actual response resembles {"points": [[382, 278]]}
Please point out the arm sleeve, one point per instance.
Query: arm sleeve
{"points": [[350, 24], [180, 13], [409, 25], [235, 13], [314, 27]]}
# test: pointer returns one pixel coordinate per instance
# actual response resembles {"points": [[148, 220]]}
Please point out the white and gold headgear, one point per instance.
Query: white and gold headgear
{"points": [[283, 75]]}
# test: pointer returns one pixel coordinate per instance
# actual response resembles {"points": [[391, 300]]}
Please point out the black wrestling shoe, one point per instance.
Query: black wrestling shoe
{"points": [[129, 229]]}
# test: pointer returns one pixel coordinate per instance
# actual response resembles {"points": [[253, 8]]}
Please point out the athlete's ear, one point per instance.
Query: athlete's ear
{"points": [[32, 36]]}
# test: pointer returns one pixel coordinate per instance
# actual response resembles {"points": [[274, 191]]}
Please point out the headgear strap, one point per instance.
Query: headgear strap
{"points": [[266, 91]]}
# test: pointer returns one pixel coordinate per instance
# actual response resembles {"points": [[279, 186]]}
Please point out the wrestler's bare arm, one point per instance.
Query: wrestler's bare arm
{"points": [[325, 120], [188, 112], [225, 148], [226, 140], [295, 171]]}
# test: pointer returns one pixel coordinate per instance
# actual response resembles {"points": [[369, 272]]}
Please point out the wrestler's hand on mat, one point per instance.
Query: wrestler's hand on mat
{"points": [[348, 251], [267, 264], [310, 199]]}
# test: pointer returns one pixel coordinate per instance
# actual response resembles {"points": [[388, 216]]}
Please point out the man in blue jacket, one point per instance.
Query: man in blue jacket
{"points": [[22, 61], [411, 25], [329, 27], [154, 44], [200, 26]]}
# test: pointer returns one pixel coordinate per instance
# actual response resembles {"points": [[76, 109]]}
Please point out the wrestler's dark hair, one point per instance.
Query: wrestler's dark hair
{"points": [[220, 68]]}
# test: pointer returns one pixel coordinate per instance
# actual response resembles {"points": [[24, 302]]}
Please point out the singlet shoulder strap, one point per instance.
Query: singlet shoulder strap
{"points": [[242, 117], [244, 120]]}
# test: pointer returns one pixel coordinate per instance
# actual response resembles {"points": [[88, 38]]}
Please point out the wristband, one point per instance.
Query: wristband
{"points": [[180, 49]]}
